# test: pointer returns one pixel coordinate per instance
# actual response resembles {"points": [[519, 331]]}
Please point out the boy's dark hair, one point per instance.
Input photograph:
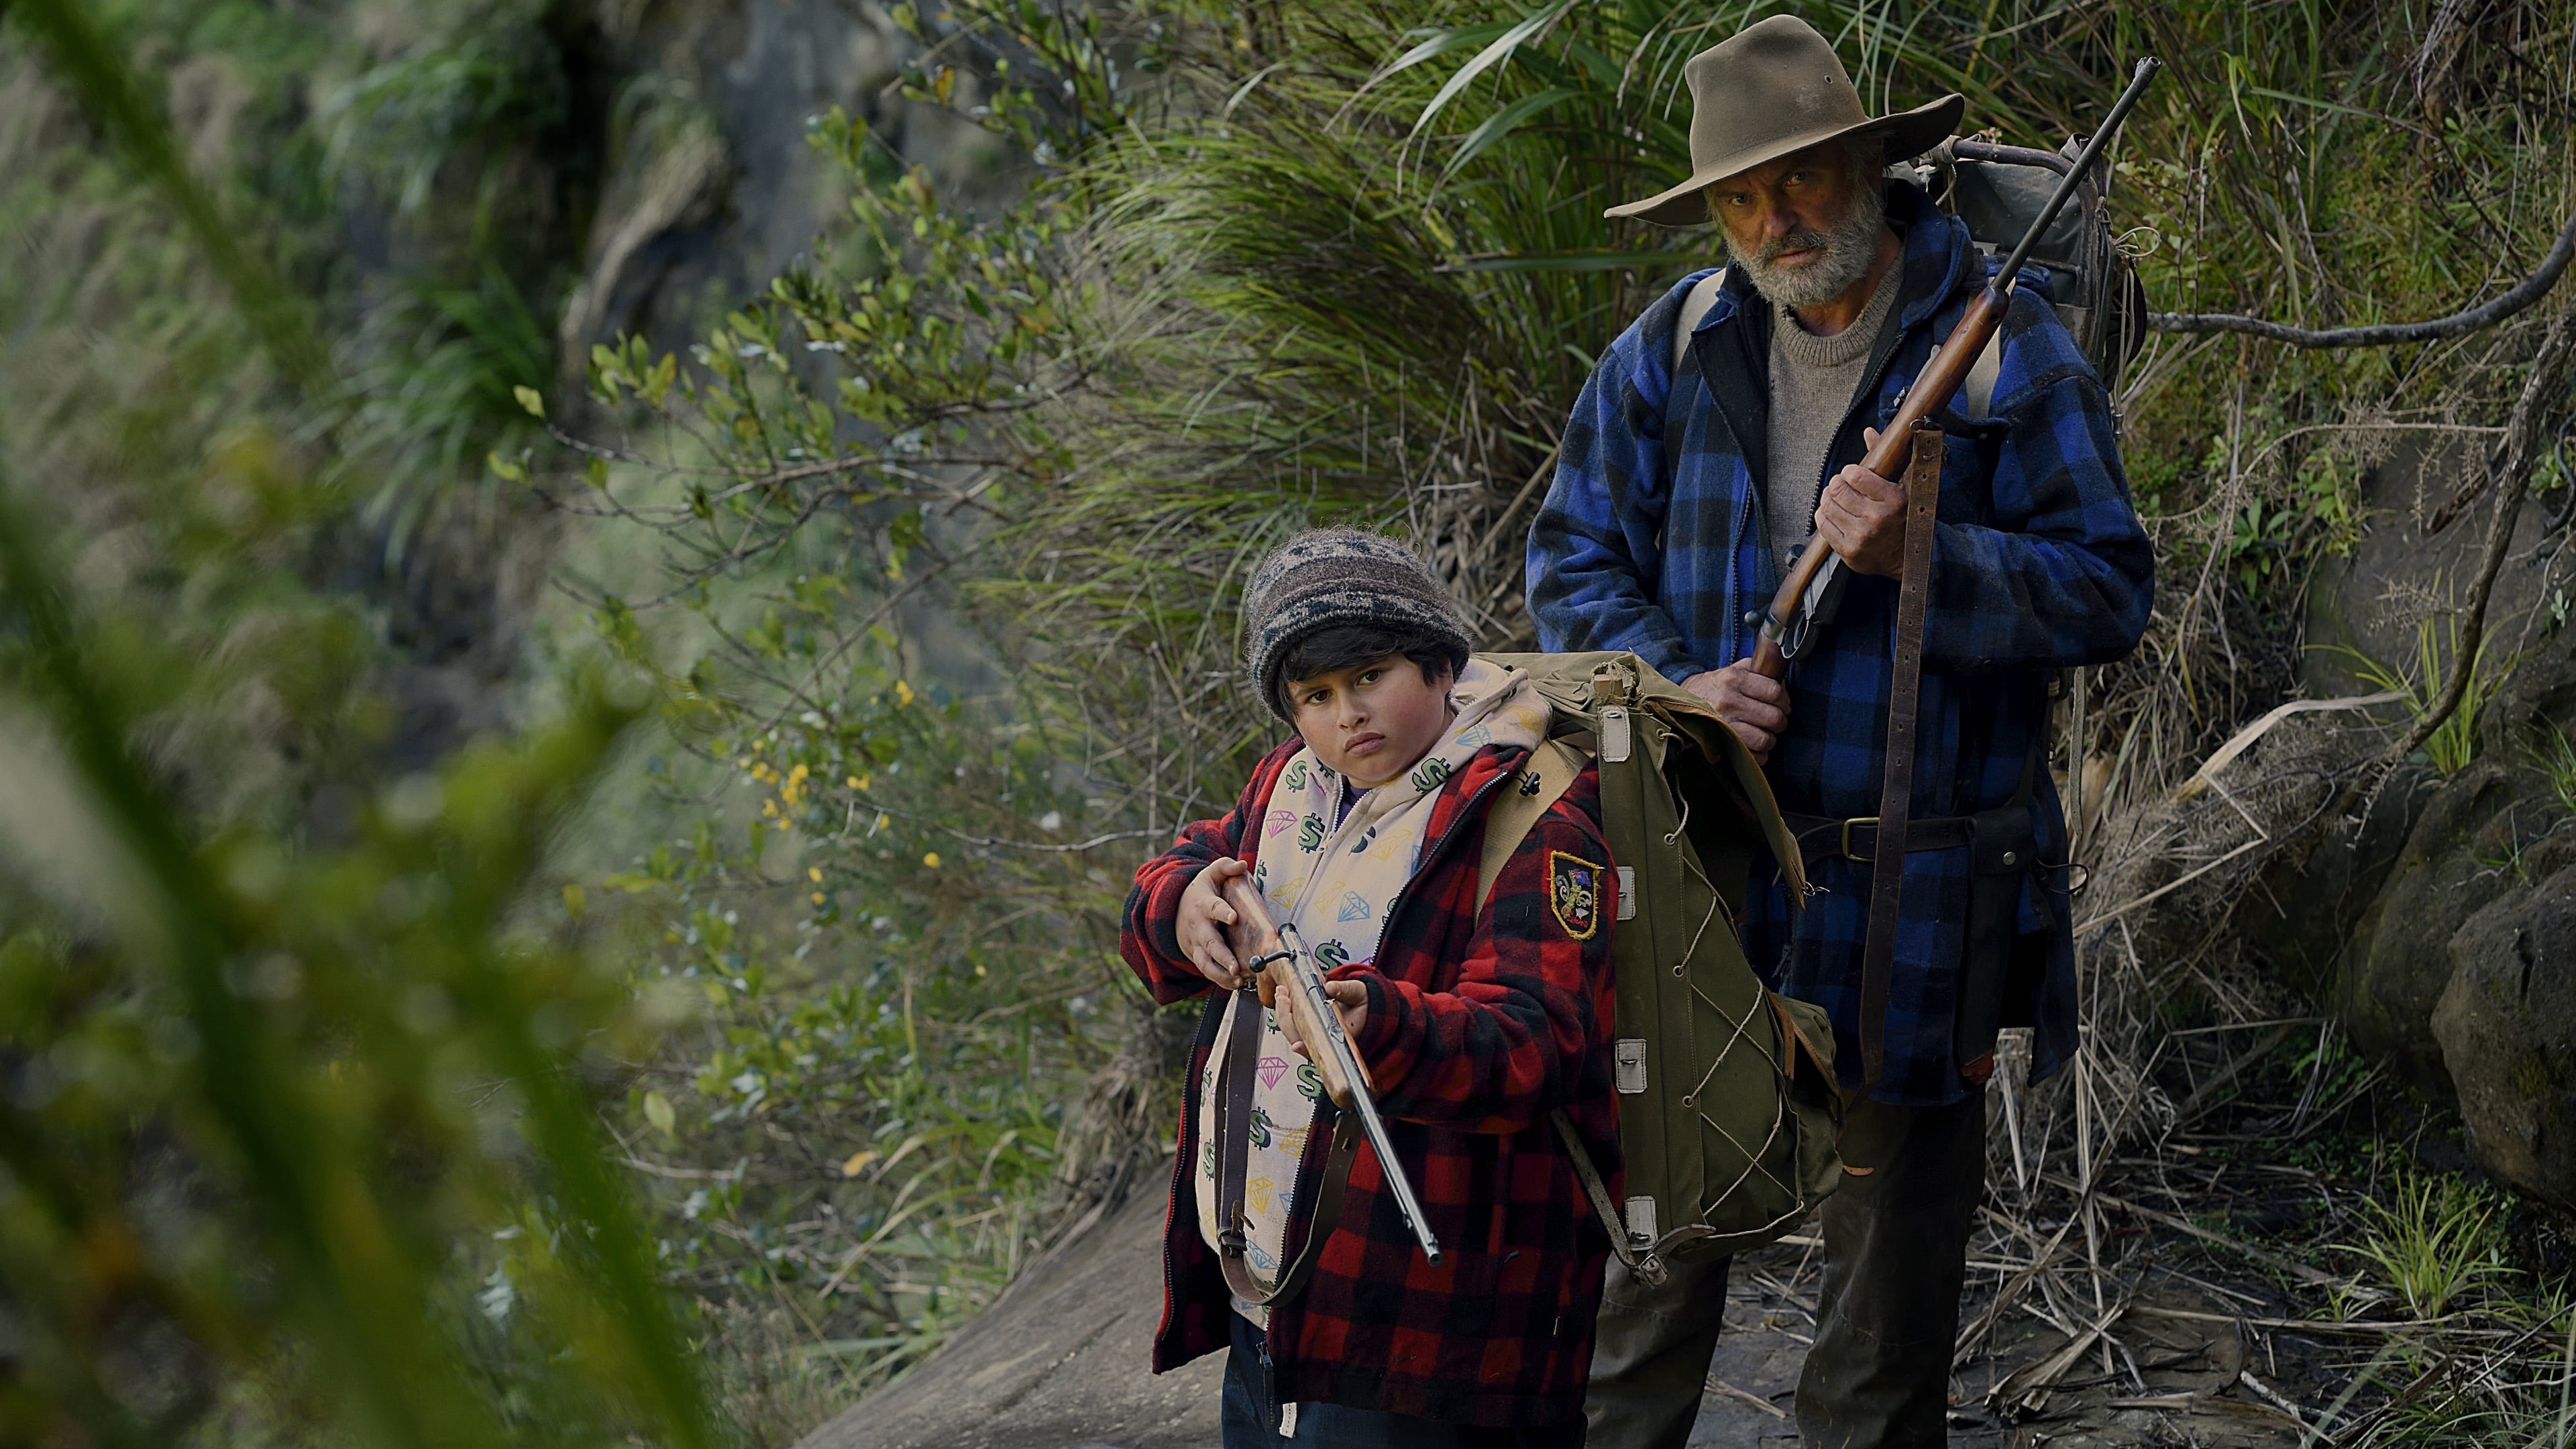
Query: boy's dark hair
{"points": [[1340, 646]]}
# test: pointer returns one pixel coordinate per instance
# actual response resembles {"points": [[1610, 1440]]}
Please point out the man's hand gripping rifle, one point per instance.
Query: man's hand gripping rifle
{"points": [[1277, 954], [1810, 581]]}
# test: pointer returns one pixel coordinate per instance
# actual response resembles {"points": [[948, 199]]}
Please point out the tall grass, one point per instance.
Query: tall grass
{"points": [[2433, 1243], [2418, 685]]}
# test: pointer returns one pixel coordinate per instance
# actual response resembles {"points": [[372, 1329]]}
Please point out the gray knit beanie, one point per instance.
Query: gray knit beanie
{"points": [[1328, 576]]}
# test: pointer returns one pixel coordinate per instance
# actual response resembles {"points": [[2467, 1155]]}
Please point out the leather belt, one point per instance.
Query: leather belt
{"points": [[1823, 837]]}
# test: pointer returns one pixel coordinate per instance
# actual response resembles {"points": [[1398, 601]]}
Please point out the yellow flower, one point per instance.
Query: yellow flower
{"points": [[902, 693], [769, 809], [931, 860], [814, 873], [855, 783], [818, 898]]}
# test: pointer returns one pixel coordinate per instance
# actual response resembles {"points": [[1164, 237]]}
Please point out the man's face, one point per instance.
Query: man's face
{"points": [[1805, 227], [1374, 721]]}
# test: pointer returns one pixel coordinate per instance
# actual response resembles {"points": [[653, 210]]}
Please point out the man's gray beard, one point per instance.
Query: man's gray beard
{"points": [[1849, 250]]}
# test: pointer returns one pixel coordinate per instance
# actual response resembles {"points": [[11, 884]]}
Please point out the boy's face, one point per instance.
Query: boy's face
{"points": [[1374, 721]]}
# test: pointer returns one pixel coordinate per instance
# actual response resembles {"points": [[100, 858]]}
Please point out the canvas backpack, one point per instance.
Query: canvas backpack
{"points": [[1728, 1104], [1998, 191]]}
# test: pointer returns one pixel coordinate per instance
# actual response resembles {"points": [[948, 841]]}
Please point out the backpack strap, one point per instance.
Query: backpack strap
{"points": [[1643, 1262], [1234, 1075], [1695, 305], [1543, 780]]}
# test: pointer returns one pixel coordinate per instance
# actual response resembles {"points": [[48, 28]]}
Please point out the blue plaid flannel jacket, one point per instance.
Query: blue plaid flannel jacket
{"points": [[1651, 540]]}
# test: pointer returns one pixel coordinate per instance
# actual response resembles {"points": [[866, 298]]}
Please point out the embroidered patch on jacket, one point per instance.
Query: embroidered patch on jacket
{"points": [[1574, 894]]}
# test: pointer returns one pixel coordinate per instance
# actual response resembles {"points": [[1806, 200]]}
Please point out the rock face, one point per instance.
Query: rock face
{"points": [[2507, 1026], [1059, 1362], [2370, 602], [2448, 976], [2309, 895], [2397, 964]]}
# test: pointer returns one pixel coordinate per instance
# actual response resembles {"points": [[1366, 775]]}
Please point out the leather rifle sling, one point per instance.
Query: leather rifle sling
{"points": [[1234, 1077], [1896, 792]]}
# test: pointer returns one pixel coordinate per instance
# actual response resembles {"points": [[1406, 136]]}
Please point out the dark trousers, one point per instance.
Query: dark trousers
{"points": [[1249, 1418], [1887, 1319]]}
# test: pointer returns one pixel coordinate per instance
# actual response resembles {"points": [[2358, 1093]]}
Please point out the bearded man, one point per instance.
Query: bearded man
{"points": [[1683, 492]]}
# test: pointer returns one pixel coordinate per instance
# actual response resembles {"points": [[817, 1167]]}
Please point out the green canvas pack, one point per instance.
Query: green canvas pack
{"points": [[1728, 1106]]}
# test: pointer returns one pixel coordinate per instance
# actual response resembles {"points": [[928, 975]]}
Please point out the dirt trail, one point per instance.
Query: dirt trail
{"points": [[1059, 1363]]}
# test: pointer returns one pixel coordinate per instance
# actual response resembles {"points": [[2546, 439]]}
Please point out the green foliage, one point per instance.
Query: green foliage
{"points": [[2419, 686], [293, 1021], [486, 81], [2271, 546], [2555, 757], [2435, 1242], [293, 1063], [865, 1126]]}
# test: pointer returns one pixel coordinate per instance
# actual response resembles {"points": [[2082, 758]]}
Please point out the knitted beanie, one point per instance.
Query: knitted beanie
{"points": [[1328, 576]]}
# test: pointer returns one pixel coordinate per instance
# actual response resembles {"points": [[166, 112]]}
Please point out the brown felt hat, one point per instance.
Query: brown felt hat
{"points": [[1770, 89]]}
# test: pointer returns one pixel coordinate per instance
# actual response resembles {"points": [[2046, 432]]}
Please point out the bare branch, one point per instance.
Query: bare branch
{"points": [[2388, 334]]}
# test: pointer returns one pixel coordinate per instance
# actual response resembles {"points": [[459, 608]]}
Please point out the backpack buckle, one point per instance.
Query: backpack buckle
{"points": [[1846, 847]]}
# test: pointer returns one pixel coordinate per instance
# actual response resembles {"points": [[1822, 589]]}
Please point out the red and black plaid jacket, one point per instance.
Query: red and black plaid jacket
{"points": [[1480, 1022]]}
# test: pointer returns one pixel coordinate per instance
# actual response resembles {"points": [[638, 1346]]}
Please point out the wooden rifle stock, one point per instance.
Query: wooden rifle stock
{"points": [[1933, 388], [1254, 936]]}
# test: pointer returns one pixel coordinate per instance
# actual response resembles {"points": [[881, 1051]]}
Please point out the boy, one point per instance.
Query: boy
{"points": [[1475, 1020]]}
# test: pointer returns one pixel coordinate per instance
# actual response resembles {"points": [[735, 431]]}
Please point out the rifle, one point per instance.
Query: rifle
{"points": [[1280, 961], [1795, 607]]}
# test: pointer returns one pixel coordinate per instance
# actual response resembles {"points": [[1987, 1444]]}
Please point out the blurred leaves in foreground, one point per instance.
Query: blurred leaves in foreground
{"points": [[287, 1058], [261, 1082]]}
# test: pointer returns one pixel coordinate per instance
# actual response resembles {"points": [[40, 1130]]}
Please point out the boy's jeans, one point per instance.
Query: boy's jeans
{"points": [[1887, 1319], [1251, 1421]]}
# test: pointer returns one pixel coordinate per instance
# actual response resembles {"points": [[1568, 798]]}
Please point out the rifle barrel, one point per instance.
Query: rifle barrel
{"points": [[2074, 177], [1327, 1021]]}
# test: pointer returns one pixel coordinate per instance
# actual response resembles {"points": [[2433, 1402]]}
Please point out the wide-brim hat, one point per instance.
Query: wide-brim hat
{"points": [[1771, 89]]}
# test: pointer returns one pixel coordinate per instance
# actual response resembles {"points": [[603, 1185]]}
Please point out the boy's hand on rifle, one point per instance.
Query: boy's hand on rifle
{"points": [[1350, 998], [1862, 517], [1204, 917]]}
